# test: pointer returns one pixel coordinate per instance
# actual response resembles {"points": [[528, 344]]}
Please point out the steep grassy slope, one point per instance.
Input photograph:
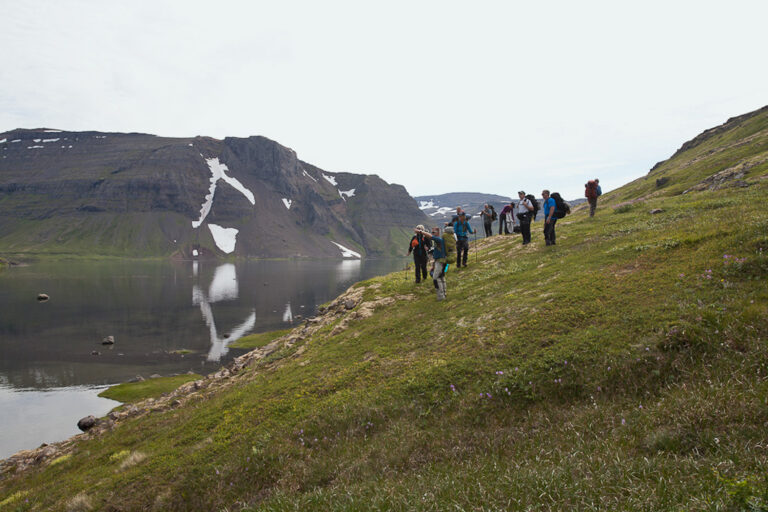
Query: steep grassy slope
{"points": [[623, 369]]}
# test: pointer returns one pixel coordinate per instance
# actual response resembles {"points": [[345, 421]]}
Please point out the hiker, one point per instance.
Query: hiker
{"points": [[439, 265], [549, 218], [462, 229], [419, 246], [507, 214], [525, 213], [487, 215], [459, 211], [590, 192], [449, 239]]}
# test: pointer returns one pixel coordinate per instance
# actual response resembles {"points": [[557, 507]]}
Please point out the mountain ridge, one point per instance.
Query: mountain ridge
{"points": [[68, 192]]}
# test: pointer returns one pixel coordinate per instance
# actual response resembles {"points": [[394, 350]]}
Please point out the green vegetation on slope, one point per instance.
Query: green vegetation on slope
{"points": [[258, 340], [623, 369], [129, 392]]}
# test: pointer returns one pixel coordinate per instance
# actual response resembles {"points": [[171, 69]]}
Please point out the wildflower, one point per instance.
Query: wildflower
{"points": [[681, 275], [516, 368], [640, 406], [217, 471], [623, 421], [647, 349], [599, 388], [488, 395], [565, 362]]}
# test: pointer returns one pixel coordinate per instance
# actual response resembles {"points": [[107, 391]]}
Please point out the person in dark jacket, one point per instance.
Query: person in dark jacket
{"points": [[590, 192], [506, 213], [487, 215], [420, 246]]}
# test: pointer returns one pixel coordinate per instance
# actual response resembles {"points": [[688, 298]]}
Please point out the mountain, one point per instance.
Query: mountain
{"points": [[132, 194]]}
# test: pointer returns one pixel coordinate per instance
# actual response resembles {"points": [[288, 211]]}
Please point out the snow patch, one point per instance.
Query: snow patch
{"points": [[3, 141], [35, 147], [423, 205], [219, 171], [36, 140], [347, 253], [99, 136], [52, 131], [442, 211], [309, 175], [329, 179], [225, 238], [287, 203], [348, 193], [51, 140], [191, 145], [195, 253], [16, 140]]}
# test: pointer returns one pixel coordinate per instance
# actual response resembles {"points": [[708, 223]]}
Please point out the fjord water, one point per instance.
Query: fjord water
{"points": [[166, 318]]}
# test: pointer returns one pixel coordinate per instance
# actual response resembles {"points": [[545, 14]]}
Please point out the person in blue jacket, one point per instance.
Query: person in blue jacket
{"points": [[549, 218], [462, 230]]}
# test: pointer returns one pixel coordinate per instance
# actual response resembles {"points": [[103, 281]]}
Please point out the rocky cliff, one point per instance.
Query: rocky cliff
{"points": [[142, 195]]}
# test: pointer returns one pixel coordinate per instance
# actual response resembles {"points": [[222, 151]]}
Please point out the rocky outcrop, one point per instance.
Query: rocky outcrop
{"points": [[138, 194]]}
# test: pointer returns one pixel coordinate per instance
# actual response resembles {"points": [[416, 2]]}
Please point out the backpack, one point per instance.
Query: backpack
{"points": [[561, 207], [493, 213], [590, 190], [450, 246], [535, 204]]}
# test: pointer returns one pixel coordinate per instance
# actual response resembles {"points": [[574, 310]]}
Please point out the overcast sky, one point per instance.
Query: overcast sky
{"points": [[438, 96]]}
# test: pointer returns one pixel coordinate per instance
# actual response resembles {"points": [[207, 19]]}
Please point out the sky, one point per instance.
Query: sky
{"points": [[439, 96]]}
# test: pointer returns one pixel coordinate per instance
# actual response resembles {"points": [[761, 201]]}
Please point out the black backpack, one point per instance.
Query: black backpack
{"points": [[493, 216], [561, 207], [535, 205]]}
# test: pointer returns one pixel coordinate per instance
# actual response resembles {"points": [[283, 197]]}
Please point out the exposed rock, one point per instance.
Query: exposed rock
{"points": [[656, 210], [109, 340], [95, 353], [155, 376], [86, 423], [349, 304], [660, 182], [137, 378], [42, 297]]}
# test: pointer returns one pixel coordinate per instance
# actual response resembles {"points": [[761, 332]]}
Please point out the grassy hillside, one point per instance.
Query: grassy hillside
{"points": [[623, 369]]}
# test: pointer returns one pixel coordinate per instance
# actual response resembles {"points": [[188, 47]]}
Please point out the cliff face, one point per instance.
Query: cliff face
{"points": [[141, 195]]}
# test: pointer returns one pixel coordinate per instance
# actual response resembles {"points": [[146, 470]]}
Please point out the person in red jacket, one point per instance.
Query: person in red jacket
{"points": [[590, 192]]}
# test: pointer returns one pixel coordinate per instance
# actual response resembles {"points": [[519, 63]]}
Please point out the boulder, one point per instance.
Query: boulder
{"points": [[656, 210], [109, 340], [349, 304], [660, 182], [137, 378], [95, 353], [86, 423], [42, 297]]}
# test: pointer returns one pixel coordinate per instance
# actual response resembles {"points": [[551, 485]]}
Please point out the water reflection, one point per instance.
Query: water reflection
{"points": [[56, 346], [223, 287], [347, 269]]}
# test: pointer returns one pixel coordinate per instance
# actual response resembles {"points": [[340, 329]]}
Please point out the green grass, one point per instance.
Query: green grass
{"points": [[625, 368], [258, 340], [129, 392]]}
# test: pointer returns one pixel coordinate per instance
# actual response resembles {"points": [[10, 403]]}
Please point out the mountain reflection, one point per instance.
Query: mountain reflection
{"points": [[223, 287]]}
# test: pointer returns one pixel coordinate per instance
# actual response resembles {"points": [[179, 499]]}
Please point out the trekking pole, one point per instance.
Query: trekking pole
{"points": [[475, 247]]}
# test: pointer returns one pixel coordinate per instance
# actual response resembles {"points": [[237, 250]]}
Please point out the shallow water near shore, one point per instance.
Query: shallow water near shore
{"points": [[166, 318]]}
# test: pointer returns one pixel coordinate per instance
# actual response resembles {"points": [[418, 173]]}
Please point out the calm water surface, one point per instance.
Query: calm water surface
{"points": [[49, 377]]}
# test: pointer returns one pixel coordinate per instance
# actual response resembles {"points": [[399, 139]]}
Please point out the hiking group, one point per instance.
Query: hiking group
{"points": [[453, 246]]}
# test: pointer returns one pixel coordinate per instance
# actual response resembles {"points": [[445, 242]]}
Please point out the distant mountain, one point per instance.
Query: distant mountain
{"points": [[142, 195]]}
